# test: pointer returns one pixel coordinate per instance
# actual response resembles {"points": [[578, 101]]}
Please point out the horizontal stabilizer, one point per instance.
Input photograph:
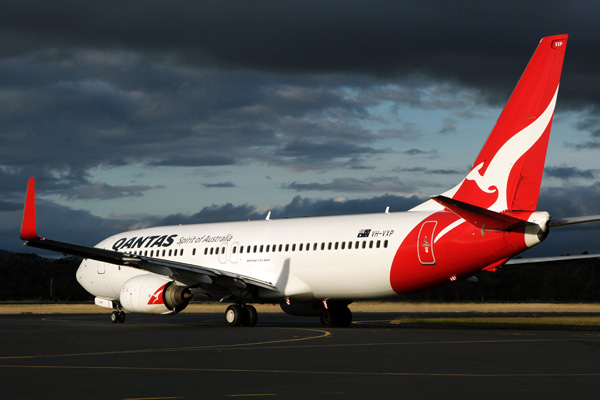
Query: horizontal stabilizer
{"points": [[482, 218], [574, 220], [536, 260]]}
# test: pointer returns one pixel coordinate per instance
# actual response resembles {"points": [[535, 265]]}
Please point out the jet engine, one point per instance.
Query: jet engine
{"points": [[153, 294]]}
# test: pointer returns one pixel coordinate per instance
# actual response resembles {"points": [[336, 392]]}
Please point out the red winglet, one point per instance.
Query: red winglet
{"points": [[28, 225]]}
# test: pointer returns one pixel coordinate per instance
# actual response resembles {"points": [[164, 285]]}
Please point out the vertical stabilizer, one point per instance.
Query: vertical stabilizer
{"points": [[508, 171]]}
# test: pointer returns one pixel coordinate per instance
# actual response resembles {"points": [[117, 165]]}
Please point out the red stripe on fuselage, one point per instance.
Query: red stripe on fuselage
{"points": [[460, 252]]}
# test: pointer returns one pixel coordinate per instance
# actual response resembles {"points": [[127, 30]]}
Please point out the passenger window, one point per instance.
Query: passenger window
{"points": [[364, 245], [169, 253], [323, 246], [336, 245], [378, 243], [267, 249], [371, 244], [294, 247], [194, 251], [280, 247], [357, 245], [315, 247], [349, 245], [262, 247], [212, 250], [234, 250], [307, 246], [385, 243], [329, 246], [287, 247]]}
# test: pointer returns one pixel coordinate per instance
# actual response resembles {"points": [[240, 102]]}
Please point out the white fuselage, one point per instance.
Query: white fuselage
{"points": [[305, 258]]}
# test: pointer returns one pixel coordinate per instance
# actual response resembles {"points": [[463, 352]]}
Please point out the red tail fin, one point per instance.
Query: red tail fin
{"points": [[508, 172]]}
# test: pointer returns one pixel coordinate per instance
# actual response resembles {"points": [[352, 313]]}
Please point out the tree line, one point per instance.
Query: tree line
{"points": [[31, 277]]}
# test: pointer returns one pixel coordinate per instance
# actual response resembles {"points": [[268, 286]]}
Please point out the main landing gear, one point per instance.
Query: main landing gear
{"points": [[117, 317], [241, 314], [339, 315]]}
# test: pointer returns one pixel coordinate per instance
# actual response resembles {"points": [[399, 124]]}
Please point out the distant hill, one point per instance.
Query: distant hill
{"points": [[26, 276]]}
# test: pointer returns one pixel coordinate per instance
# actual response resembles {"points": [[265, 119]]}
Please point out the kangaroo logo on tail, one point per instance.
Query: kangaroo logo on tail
{"points": [[507, 173]]}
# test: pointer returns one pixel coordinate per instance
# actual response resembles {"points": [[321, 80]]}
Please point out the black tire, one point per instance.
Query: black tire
{"points": [[250, 315], [121, 317], [339, 316], [327, 318], [114, 317], [343, 317], [234, 315]]}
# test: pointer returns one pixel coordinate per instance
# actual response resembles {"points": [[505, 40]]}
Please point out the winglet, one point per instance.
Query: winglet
{"points": [[28, 226]]}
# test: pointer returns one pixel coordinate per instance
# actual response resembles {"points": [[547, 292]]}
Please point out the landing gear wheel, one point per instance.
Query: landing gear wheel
{"points": [[250, 315], [339, 316], [234, 315], [327, 318], [344, 317], [117, 317]]}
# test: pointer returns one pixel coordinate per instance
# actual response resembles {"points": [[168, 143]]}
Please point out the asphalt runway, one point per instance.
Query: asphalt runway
{"points": [[195, 356]]}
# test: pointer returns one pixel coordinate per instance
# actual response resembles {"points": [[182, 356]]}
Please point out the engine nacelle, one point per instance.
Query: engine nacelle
{"points": [[152, 294]]}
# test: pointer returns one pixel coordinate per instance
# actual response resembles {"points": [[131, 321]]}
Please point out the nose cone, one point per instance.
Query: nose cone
{"points": [[85, 274]]}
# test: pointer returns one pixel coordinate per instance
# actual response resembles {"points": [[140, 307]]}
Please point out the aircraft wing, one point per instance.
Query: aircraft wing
{"points": [[190, 274]]}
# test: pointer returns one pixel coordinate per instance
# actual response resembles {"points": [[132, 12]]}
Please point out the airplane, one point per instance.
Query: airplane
{"points": [[319, 265]]}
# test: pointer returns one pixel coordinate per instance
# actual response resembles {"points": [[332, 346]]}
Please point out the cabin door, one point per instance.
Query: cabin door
{"points": [[425, 243]]}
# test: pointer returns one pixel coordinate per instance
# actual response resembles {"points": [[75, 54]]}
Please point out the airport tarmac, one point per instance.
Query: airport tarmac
{"points": [[195, 356]]}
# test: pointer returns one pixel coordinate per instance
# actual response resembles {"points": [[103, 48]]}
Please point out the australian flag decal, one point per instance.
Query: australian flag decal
{"points": [[364, 233]]}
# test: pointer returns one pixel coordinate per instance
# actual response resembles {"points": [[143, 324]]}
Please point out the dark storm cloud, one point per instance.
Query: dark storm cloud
{"points": [[378, 38], [83, 227], [570, 201], [372, 184], [567, 173], [437, 171], [103, 191], [206, 84], [314, 154], [418, 152], [10, 206], [219, 185]]}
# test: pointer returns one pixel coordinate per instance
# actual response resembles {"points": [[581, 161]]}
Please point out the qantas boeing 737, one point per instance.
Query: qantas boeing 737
{"points": [[318, 266]]}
